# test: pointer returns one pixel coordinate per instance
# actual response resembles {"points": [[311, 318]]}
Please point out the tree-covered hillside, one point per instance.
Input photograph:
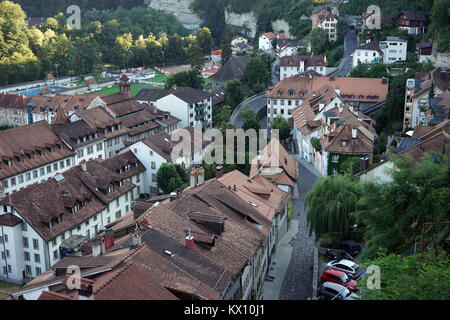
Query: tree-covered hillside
{"points": [[48, 8]]}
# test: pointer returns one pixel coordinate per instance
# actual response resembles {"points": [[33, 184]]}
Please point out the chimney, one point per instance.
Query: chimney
{"points": [[136, 239], [109, 239], [193, 175], [173, 196], [219, 171], [83, 165], [200, 176], [85, 292], [234, 188], [98, 246], [190, 242], [363, 163], [354, 133]]}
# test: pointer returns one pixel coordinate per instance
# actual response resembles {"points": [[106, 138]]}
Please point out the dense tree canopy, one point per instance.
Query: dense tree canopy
{"points": [[416, 277], [257, 74], [170, 177], [234, 93], [283, 127]]}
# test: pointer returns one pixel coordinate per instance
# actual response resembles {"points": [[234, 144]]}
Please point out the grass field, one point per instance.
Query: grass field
{"points": [[134, 88], [6, 288]]}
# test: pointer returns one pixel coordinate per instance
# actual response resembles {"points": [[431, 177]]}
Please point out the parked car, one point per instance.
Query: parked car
{"points": [[347, 266], [334, 291], [339, 277], [351, 247]]}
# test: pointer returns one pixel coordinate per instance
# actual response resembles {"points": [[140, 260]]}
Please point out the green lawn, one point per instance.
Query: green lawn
{"points": [[134, 88]]}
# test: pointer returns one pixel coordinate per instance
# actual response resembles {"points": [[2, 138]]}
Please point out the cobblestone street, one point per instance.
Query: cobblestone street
{"points": [[297, 283]]}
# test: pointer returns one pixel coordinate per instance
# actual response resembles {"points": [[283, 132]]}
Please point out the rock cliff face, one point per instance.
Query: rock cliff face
{"points": [[245, 22], [180, 8], [279, 25]]}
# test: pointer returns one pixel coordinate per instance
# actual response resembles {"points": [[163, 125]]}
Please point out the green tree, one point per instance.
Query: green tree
{"points": [[319, 40], [257, 74], [196, 57], [205, 41], [432, 92], [393, 213], [225, 44], [170, 177], [185, 79], [283, 126], [423, 276], [330, 204], [249, 119], [234, 93], [350, 166], [222, 115]]}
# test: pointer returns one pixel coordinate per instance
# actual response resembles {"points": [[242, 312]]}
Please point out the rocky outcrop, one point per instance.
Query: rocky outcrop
{"points": [[281, 25], [244, 22], [180, 9]]}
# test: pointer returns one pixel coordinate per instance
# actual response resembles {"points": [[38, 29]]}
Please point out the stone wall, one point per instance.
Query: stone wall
{"points": [[279, 25], [180, 8], [440, 59]]}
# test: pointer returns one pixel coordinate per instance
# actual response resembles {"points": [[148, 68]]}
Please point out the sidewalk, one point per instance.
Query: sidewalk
{"points": [[282, 258]]}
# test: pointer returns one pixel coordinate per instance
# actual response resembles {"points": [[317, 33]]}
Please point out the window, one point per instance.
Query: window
{"points": [[68, 162], [61, 164], [35, 174], [88, 233], [35, 244], [42, 172], [138, 178], [80, 153], [5, 184], [108, 220], [335, 158], [25, 242], [28, 176], [153, 165], [27, 256], [37, 258], [117, 202], [127, 209], [90, 149], [5, 238], [118, 214], [49, 169], [343, 143], [5, 270], [99, 146], [13, 181], [38, 271], [54, 242], [154, 178], [24, 226], [151, 153], [55, 166], [21, 178], [55, 254]]}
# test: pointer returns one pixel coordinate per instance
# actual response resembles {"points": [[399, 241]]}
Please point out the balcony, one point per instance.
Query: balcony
{"points": [[200, 116], [201, 107]]}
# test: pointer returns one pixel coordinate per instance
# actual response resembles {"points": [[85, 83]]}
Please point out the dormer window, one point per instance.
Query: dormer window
{"points": [[291, 92], [59, 219], [20, 159], [76, 208], [50, 224], [52, 149], [32, 155], [41, 152], [10, 163], [344, 143], [120, 183], [110, 190]]}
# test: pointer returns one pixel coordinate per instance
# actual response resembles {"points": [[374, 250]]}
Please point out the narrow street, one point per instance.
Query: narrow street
{"points": [[297, 283]]}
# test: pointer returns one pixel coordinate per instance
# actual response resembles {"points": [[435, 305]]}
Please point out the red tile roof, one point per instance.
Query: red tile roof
{"points": [[133, 283]]}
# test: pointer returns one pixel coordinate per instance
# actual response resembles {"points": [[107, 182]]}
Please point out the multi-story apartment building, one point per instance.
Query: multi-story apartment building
{"points": [[13, 110], [368, 53], [322, 18], [39, 221], [394, 49], [31, 154], [417, 92]]}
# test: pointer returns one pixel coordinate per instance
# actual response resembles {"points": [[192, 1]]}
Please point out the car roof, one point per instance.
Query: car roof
{"points": [[348, 263], [334, 286], [335, 272]]}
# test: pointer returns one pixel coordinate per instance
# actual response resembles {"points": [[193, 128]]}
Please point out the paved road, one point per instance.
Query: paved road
{"points": [[297, 283], [350, 44], [255, 103]]}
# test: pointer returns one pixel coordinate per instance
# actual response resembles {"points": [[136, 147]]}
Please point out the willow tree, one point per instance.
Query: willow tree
{"points": [[330, 204]]}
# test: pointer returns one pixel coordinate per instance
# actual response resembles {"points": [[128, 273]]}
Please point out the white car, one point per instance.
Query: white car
{"points": [[347, 266], [335, 291]]}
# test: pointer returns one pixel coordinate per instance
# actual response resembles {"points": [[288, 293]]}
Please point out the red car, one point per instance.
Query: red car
{"points": [[339, 277]]}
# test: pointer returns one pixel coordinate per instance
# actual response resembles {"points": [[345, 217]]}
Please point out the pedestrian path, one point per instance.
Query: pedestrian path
{"points": [[271, 289]]}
